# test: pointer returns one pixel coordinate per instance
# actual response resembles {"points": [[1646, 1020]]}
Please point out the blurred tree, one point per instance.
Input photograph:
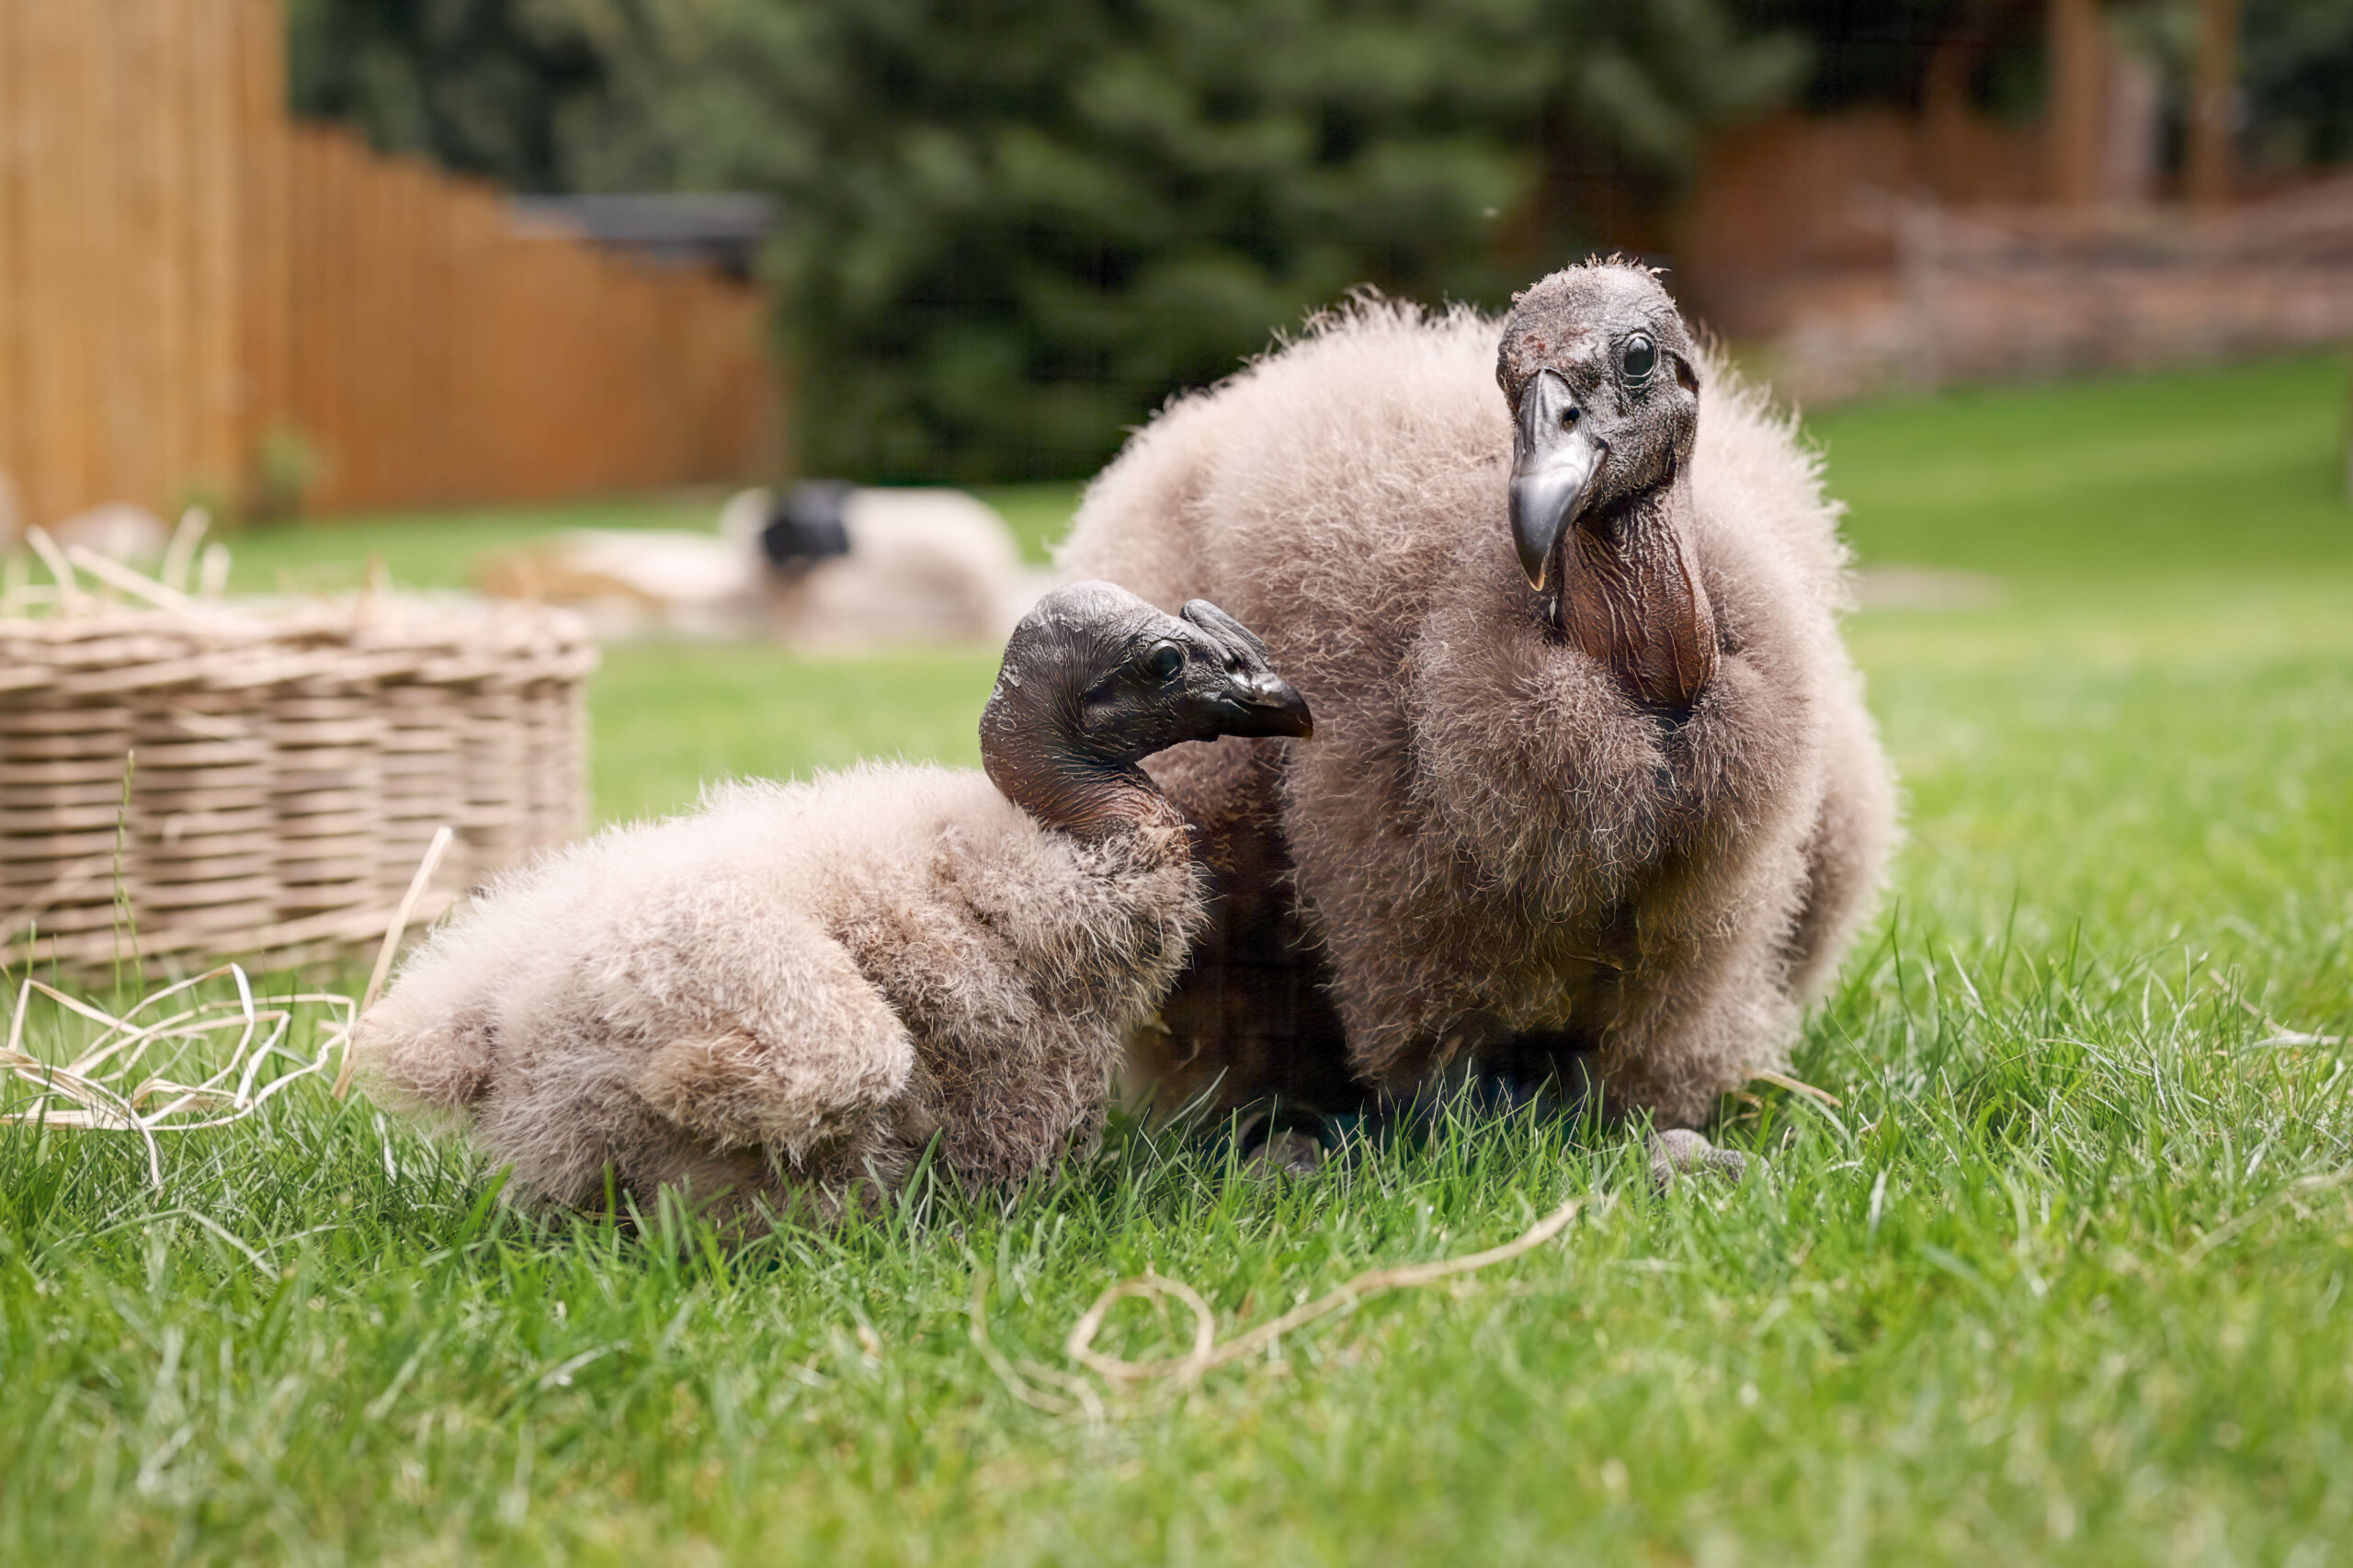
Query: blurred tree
{"points": [[2293, 106], [1014, 226], [2297, 77], [477, 86], [2296, 59], [1870, 50]]}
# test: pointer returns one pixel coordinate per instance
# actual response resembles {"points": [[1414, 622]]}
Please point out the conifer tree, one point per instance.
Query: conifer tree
{"points": [[1012, 227]]}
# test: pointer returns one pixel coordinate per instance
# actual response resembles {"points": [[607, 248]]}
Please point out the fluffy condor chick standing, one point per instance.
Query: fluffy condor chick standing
{"points": [[1595, 784], [798, 986]]}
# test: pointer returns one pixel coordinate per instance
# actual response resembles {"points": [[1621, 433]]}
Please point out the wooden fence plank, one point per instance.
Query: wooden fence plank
{"points": [[263, 262], [13, 294], [183, 272]]}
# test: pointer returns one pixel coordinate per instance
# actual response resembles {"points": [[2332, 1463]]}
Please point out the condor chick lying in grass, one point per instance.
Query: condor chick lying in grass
{"points": [[797, 988], [1596, 782]]}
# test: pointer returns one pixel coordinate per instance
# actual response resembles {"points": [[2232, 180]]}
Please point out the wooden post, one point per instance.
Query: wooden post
{"points": [[2212, 103], [1918, 242], [2076, 121]]}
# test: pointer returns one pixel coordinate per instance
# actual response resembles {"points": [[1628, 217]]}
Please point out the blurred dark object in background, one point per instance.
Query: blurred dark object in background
{"points": [[808, 522], [718, 229], [2297, 92], [480, 86]]}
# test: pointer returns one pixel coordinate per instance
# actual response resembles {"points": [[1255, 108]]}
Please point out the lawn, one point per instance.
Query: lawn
{"points": [[439, 550], [2062, 1277]]}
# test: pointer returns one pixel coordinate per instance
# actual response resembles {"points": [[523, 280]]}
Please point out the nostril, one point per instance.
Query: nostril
{"points": [[1569, 419]]}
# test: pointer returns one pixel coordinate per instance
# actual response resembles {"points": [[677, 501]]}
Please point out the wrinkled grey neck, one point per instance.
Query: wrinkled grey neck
{"points": [[1033, 751], [1631, 596]]}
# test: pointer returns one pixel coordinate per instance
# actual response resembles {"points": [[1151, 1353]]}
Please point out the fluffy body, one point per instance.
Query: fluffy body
{"points": [[1495, 851], [788, 993], [924, 566]]}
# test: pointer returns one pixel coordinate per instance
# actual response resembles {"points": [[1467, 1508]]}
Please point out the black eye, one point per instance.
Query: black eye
{"points": [[1639, 358], [1164, 661]]}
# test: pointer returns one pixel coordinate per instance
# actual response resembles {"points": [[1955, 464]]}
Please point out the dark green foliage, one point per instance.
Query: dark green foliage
{"points": [[477, 86], [2296, 76], [1014, 228], [2298, 80], [1866, 51]]}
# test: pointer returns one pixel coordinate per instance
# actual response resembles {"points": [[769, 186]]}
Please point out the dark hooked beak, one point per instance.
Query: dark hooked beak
{"points": [[1263, 704], [1554, 458], [1253, 701]]}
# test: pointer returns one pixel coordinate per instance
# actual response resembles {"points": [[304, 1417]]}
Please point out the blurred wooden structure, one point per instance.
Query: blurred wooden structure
{"points": [[2001, 294], [190, 281], [1792, 218], [1911, 246]]}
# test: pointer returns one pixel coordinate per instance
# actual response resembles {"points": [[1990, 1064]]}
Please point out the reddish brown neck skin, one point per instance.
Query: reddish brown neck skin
{"points": [[1631, 597], [1089, 801]]}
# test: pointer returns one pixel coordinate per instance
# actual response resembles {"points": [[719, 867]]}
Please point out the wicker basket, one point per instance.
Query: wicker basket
{"points": [[203, 777]]}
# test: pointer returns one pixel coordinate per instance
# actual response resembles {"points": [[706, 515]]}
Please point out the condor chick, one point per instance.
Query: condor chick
{"points": [[1596, 787], [798, 987]]}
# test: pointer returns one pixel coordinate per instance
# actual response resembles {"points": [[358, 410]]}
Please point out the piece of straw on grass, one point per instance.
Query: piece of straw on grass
{"points": [[204, 1061], [1209, 1352]]}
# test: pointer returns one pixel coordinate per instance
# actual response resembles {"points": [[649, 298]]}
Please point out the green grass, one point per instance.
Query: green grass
{"points": [[433, 550], [1038, 514], [2233, 470], [668, 717], [440, 550], [2064, 1278]]}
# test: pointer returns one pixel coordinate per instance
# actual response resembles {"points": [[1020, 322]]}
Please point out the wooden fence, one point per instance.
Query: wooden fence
{"points": [[187, 279], [1998, 294]]}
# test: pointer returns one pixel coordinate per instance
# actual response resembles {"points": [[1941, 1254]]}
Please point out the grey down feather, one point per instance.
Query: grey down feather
{"points": [[777, 1001], [1505, 849]]}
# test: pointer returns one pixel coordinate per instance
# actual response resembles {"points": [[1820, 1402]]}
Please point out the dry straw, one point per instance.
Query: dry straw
{"points": [[186, 778], [161, 1066], [156, 1068], [1209, 1352], [1030, 1382]]}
